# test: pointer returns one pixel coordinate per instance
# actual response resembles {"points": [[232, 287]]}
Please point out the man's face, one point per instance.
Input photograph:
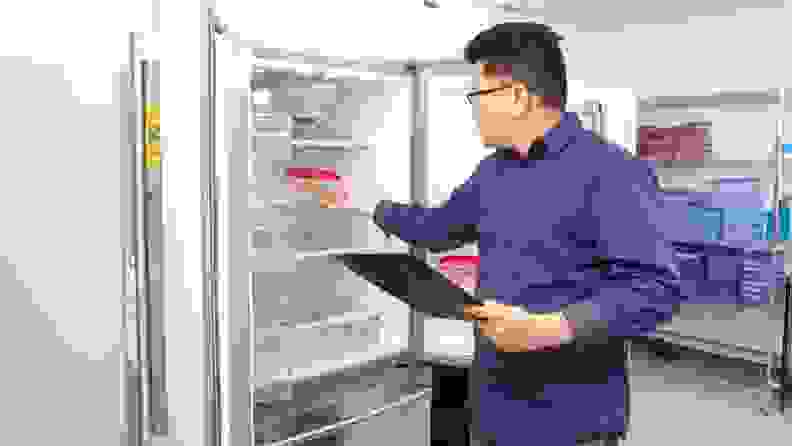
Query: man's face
{"points": [[500, 111]]}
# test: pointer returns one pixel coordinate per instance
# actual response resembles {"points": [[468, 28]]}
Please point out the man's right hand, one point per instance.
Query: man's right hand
{"points": [[336, 198], [470, 312], [474, 313], [490, 311]]}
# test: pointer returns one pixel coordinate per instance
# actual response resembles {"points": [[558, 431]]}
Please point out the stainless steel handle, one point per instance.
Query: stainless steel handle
{"points": [[135, 298], [140, 257], [132, 398], [130, 370], [351, 421], [210, 246], [152, 407]]}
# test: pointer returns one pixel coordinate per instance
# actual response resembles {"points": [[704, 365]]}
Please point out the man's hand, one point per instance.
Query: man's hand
{"points": [[513, 330], [488, 311], [330, 198], [338, 197], [524, 335]]}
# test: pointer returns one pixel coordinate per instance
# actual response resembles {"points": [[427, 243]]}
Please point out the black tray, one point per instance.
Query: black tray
{"points": [[412, 281]]}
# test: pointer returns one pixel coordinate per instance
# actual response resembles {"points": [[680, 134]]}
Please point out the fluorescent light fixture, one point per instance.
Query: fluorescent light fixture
{"points": [[282, 64], [508, 6], [335, 73]]}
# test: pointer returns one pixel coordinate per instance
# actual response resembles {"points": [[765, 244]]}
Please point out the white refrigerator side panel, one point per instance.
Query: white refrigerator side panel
{"points": [[61, 183], [184, 92]]}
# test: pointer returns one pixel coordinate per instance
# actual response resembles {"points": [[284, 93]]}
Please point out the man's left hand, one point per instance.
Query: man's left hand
{"points": [[512, 334]]}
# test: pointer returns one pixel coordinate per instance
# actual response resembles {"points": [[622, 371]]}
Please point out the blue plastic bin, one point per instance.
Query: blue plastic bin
{"points": [[708, 223], [770, 225], [743, 224]]}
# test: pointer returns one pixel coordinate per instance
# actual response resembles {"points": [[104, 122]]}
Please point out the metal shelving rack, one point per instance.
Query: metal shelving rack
{"points": [[775, 357]]}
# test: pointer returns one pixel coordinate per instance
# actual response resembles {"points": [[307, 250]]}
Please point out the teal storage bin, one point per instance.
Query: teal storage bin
{"points": [[770, 225], [743, 224], [707, 220]]}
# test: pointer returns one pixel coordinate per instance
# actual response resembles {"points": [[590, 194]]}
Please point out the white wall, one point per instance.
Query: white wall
{"points": [[60, 231], [732, 52], [621, 109]]}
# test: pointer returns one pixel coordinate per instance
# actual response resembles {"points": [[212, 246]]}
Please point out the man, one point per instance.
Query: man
{"points": [[571, 257]]}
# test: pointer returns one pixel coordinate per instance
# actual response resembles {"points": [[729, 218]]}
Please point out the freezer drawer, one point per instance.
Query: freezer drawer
{"points": [[301, 347], [408, 425], [349, 394]]}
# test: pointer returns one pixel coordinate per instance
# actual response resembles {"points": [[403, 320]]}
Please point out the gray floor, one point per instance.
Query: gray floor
{"points": [[679, 397], [689, 398]]}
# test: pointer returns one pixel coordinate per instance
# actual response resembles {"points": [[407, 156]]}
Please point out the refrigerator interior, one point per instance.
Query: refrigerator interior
{"points": [[312, 316]]}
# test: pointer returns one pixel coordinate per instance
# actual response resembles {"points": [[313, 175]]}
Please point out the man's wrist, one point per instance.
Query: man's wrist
{"points": [[522, 314], [565, 327]]}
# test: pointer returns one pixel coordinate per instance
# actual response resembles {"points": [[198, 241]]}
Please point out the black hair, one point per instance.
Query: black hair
{"points": [[526, 51]]}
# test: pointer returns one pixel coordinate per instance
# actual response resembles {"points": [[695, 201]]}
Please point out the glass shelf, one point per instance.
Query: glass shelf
{"points": [[343, 144], [330, 321], [321, 368], [296, 206]]}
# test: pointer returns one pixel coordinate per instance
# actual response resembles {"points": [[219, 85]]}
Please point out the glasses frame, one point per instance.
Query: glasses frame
{"points": [[469, 96]]}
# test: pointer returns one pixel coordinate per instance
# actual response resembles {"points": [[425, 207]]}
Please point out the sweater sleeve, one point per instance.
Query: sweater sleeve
{"points": [[441, 228], [639, 284]]}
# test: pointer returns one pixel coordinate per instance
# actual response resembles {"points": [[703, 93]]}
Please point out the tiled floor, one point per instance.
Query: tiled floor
{"points": [[688, 398]]}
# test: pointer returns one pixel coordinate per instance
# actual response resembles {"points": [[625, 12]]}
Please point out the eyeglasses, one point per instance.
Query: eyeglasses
{"points": [[469, 96]]}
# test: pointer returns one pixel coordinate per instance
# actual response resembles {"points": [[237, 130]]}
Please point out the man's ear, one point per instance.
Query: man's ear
{"points": [[521, 96]]}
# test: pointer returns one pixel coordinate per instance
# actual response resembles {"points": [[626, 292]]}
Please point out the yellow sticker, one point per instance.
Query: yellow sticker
{"points": [[153, 156]]}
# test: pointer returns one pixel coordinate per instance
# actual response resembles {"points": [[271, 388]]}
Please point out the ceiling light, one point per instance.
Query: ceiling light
{"points": [[509, 6]]}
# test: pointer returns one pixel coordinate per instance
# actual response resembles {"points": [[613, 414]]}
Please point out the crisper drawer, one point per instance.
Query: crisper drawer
{"points": [[276, 424], [293, 352], [307, 228], [313, 290]]}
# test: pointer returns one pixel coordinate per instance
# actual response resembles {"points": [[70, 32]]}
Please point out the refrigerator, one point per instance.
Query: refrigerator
{"points": [[311, 353]]}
